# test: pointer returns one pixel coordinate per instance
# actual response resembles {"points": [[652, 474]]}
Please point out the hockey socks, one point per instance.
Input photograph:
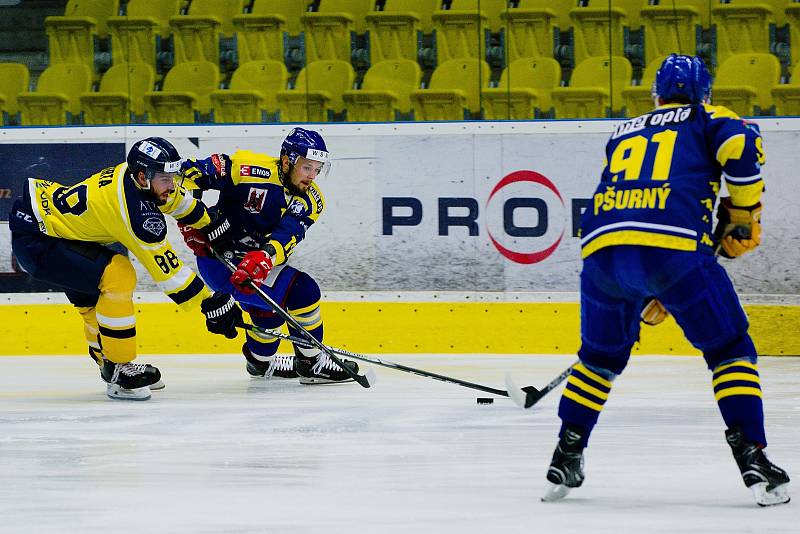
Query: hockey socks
{"points": [[737, 390], [583, 399]]}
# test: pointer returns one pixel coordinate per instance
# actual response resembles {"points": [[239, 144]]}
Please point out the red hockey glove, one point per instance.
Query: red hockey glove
{"points": [[195, 240], [254, 268]]}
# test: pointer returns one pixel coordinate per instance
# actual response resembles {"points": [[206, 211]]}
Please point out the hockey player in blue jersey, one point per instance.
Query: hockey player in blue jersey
{"points": [[647, 234], [269, 204]]}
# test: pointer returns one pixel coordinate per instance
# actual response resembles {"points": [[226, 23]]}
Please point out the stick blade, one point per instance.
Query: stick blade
{"points": [[525, 397], [369, 378]]}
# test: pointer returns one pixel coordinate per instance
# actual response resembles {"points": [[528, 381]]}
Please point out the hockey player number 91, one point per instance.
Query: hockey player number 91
{"points": [[629, 155]]}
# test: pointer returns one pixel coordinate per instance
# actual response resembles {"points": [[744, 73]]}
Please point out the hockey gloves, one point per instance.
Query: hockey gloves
{"points": [[253, 269], [220, 235], [222, 314], [654, 313], [738, 228], [195, 240]]}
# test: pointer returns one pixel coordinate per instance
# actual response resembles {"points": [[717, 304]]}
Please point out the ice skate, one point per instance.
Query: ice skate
{"points": [[275, 366], [320, 369], [768, 482], [566, 467], [130, 381]]}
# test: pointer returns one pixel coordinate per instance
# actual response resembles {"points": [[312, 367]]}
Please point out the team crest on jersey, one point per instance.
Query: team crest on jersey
{"points": [[255, 200], [253, 170], [154, 225], [296, 208]]}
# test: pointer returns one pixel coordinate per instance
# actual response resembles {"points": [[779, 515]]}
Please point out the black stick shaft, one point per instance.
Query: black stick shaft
{"points": [[378, 361], [286, 316]]}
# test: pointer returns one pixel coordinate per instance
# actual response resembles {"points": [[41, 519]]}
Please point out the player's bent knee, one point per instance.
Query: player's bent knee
{"points": [[119, 276], [304, 292]]}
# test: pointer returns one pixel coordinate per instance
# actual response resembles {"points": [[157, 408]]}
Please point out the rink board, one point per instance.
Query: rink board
{"points": [[385, 327]]}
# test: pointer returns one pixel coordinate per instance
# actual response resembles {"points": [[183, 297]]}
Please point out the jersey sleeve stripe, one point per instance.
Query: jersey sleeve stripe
{"points": [[177, 281], [193, 216], [184, 206], [742, 180], [194, 289]]}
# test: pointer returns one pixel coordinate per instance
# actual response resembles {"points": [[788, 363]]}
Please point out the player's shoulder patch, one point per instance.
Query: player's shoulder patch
{"points": [[144, 217]]}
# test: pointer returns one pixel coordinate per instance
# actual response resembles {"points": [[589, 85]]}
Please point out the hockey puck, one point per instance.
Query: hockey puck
{"points": [[485, 400]]}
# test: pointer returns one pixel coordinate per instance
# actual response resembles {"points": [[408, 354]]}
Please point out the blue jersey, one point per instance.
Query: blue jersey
{"points": [[662, 175], [261, 210]]}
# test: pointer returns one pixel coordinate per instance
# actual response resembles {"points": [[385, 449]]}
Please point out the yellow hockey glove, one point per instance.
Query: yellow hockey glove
{"points": [[654, 313], [738, 228]]}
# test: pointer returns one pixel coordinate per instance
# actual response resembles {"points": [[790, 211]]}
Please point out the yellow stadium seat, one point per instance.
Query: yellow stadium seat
{"points": [[560, 7], [14, 79], [385, 92], [252, 93], [669, 29], [531, 30], [185, 94], [742, 29], [631, 9], [792, 13], [589, 94], [261, 32], [787, 97], [57, 98], [318, 92], [136, 36], [395, 31], [524, 91], [71, 38], [455, 91], [197, 33], [594, 29], [460, 33], [639, 98], [328, 31], [121, 95], [744, 83]]}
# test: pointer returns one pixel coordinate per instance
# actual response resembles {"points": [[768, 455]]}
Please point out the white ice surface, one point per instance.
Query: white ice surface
{"points": [[219, 452]]}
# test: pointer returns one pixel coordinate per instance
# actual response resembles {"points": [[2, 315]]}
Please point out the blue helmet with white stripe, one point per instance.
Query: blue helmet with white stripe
{"points": [[683, 79], [307, 144]]}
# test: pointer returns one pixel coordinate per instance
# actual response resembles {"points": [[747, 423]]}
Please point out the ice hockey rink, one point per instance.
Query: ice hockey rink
{"points": [[217, 451]]}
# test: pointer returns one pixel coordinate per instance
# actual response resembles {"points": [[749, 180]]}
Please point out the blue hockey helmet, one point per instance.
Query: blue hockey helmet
{"points": [[153, 155], [684, 79], [308, 144]]}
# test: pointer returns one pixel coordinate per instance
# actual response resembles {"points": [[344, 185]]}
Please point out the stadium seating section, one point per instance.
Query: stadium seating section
{"points": [[251, 61]]}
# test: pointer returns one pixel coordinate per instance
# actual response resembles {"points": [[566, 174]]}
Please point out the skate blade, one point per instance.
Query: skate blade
{"points": [[157, 386], [322, 381], [555, 492], [778, 494], [119, 393]]}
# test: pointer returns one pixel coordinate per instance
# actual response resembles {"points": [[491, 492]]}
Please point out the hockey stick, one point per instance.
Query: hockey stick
{"points": [[365, 380], [265, 333], [526, 397]]}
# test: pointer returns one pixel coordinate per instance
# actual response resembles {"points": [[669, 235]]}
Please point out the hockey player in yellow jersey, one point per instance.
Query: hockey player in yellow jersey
{"points": [[59, 235]]}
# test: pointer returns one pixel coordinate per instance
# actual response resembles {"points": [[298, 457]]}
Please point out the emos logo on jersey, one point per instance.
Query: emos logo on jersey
{"points": [[527, 196]]}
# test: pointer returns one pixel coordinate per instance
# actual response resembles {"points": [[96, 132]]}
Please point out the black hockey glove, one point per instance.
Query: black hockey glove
{"points": [[222, 314], [220, 234]]}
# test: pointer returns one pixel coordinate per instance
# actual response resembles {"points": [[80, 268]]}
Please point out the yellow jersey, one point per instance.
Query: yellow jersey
{"points": [[109, 207]]}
